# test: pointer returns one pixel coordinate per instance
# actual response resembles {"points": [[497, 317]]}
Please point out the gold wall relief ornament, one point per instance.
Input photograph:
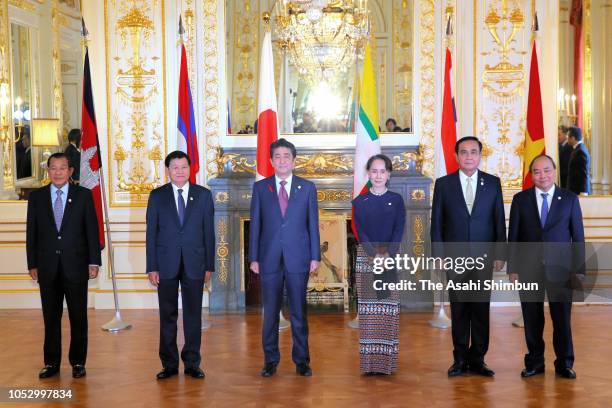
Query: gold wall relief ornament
{"points": [[57, 66], [23, 4], [211, 69], [222, 197], [427, 28], [418, 243], [334, 195], [323, 164], [222, 250], [408, 161], [418, 194], [136, 92], [501, 105]]}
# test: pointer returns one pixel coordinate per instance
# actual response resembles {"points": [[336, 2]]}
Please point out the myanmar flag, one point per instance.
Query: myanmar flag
{"points": [[368, 141]]}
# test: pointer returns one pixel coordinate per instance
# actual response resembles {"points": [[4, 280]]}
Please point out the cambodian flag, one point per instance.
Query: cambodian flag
{"points": [[187, 136]]}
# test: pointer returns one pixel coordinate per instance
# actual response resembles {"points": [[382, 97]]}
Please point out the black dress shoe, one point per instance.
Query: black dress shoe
{"points": [[531, 371], [78, 371], [166, 373], [48, 371], [481, 369], [195, 372], [457, 369], [566, 372], [303, 369], [268, 370]]}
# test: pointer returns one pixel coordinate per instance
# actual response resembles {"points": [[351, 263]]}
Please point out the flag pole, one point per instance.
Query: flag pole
{"points": [[117, 323], [441, 319]]}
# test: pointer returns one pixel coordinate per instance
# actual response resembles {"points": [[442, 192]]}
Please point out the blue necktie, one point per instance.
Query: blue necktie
{"points": [[544, 211], [58, 209], [181, 206]]}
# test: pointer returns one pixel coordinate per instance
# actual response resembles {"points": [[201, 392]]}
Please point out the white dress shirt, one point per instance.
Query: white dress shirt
{"points": [[463, 179], [549, 198], [185, 194], [287, 186]]}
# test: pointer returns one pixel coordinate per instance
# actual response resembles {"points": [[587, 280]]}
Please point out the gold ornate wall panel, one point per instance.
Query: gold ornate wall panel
{"points": [[211, 69], [58, 109], [136, 95], [502, 54], [427, 27]]}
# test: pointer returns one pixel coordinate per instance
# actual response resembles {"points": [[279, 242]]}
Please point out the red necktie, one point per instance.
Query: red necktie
{"points": [[283, 198]]}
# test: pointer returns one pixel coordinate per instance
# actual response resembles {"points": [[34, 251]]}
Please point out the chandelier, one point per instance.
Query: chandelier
{"points": [[322, 37]]}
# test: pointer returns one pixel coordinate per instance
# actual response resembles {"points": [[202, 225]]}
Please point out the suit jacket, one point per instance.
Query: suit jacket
{"points": [[565, 151], [74, 157], [561, 251], [450, 219], [168, 241], [294, 238], [578, 172], [76, 244]]}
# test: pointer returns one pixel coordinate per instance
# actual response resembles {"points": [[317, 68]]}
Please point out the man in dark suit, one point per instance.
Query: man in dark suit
{"points": [[180, 249], [468, 208], [579, 167], [551, 216], [565, 151], [63, 254], [73, 152], [284, 248]]}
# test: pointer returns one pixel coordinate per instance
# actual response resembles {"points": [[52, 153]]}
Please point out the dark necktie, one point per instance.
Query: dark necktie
{"points": [[544, 210], [283, 198], [181, 206]]}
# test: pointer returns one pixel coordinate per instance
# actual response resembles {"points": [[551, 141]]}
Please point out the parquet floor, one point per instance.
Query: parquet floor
{"points": [[121, 367]]}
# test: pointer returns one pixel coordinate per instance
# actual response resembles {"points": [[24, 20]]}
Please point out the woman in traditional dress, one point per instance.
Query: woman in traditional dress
{"points": [[379, 217]]}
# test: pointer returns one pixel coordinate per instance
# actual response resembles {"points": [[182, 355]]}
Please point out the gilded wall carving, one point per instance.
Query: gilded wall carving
{"points": [[211, 68], [427, 27], [402, 62], [136, 94], [503, 67], [6, 137]]}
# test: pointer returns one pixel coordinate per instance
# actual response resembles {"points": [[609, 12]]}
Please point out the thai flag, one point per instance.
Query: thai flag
{"points": [[187, 136]]}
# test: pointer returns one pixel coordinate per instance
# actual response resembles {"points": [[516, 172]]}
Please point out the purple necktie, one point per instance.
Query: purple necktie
{"points": [[181, 206], [283, 198], [58, 209]]}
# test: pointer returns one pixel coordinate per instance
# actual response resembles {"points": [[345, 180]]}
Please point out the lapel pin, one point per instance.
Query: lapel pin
{"points": [[558, 198], [388, 203], [270, 188], [190, 198], [299, 187], [482, 182], [70, 200]]}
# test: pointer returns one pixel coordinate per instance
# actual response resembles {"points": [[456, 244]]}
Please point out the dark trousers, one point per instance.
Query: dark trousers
{"points": [[560, 313], [52, 298], [191, 295], [272, 295], [470, 321]]}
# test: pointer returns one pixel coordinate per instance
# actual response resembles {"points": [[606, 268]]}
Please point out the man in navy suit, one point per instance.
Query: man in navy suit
{"points": [[551, 216], [180, 248], [284, 249], [468, 208], [579, 166]]}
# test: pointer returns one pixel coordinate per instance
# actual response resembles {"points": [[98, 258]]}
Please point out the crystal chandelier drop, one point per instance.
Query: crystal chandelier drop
{"points": [[322, 37]]}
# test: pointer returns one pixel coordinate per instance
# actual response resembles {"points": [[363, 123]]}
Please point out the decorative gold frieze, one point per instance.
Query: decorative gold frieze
{"points": [[24, 5], [334, 195], [418, 247], [222, 250]]}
